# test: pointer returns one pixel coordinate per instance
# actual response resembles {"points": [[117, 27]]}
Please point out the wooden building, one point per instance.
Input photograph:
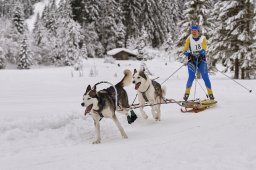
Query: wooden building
{"points": [[122, 54]]}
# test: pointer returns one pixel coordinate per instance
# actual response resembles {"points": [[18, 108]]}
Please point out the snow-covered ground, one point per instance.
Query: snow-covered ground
{"points": [[42, 124]]}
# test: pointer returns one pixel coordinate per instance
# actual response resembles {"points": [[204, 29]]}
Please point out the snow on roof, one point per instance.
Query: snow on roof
{"points": [[118, 50]]}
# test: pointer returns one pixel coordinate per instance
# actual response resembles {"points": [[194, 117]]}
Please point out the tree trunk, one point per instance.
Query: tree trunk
{"points": [[247, 73], [242, 73], [236, 76]]}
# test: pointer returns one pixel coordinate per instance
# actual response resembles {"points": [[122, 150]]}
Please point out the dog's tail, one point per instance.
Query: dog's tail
{"points": [[127, 79]]}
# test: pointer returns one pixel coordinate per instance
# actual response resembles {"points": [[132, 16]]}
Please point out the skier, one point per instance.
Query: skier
{"points": [[195, 51]]}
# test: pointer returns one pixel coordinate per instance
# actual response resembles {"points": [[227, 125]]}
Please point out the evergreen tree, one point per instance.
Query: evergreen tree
{"points": [[196, 12], [153, 22], [91, 41], [84, 53], [253, 46], [18, 17], [171, 18], [92, 11], [181, 5], [132, 10], [68, 35], [24, 59], [107, 25], [234, 36], [2, 59], [78, 10], [9, 39]]}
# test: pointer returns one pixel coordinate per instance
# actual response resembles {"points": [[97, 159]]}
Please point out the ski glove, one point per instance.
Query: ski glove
{"points": [[202, 53], [191, 57], [186, 53]]}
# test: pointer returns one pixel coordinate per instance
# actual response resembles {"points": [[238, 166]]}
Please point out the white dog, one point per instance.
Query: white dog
{"points": [[148, 91]]}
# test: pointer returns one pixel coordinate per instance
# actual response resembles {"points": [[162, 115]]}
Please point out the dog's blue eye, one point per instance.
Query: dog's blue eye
{"points": [[138, 77]]}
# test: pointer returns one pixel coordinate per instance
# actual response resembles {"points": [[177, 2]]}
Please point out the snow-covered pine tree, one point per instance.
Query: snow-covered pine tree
{"points": [[42, 42], [90, 29], [91, 40], [120, 35], [171, 14], [68, 34], [181, 5], [24, 58], [196, 12], [78, 10], [253, 46], [152, 20], [84, 53], [107, 25], [18, 17], [28, 8], [38, 30], [234, 35], [131, 19], [7, 6], [49, 16], [2, 59], [9, 39]]}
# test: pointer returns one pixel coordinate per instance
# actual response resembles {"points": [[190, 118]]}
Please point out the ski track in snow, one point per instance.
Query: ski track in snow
{"points": [[42, 124]]}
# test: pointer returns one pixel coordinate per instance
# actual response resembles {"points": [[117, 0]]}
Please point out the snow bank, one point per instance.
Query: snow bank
{"points": [[42, 124]]}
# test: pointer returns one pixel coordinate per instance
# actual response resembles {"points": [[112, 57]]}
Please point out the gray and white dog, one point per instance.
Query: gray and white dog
{"points": [[102, 104], [148, 91]]}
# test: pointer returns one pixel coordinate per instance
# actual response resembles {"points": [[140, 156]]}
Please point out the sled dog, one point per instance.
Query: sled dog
{"points": [[148, 91], [103, 104]]}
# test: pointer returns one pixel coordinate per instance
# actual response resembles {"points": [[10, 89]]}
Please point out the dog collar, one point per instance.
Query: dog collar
{"points": [[144, 94]]}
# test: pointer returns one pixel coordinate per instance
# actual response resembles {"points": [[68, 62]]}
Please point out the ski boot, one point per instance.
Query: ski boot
{"points": [[211, 96], [186, 95]]}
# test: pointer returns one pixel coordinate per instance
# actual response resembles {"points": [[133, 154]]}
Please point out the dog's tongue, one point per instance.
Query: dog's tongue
{"points": [[137, 86], [88, 109]]}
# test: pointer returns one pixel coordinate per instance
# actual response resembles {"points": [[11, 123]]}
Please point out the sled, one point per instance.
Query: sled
{"points": [[197, 105]]}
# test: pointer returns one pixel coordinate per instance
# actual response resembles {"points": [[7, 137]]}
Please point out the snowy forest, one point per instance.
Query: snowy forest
{"points": [[70, 30]]}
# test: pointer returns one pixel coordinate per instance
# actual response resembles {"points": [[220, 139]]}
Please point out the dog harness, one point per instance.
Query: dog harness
{"points": [[144, 94], [158, 90]]}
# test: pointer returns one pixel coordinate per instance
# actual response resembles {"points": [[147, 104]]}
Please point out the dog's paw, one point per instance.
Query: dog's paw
{"points": [[144, 116], [96, 142]]}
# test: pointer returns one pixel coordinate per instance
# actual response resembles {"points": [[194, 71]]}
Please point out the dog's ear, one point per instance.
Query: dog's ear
{"points": [[88, 88], [94, 88], [142, 74], [134, 71], [93, 92]]}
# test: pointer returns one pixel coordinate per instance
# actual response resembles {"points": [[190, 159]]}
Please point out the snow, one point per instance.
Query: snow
{"points": [[42, 124], [38, 8], [117, 50]]}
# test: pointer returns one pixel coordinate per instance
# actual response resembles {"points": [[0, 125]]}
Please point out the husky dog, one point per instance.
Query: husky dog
{"points": [[102, 104], [148, 91]]}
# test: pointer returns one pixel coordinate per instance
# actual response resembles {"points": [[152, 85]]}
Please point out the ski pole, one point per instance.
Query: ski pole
{"points": [[202, 88], [173, 74], [196, 76], [175, 70], [249, 90]]}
